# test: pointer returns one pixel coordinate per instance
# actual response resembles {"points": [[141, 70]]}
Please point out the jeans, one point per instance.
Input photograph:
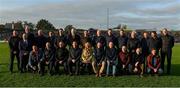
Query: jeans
{"points": [[110, 68]]}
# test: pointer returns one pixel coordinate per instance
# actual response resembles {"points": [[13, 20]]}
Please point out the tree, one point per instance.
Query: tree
{"points": [[44, 24], [18, 25]]}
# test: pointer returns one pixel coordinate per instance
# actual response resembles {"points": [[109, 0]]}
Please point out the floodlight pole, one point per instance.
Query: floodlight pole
{"points": [[107, 18]]}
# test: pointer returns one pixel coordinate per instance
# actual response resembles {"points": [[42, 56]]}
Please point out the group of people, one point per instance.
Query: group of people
{"points": [[108, 55]]}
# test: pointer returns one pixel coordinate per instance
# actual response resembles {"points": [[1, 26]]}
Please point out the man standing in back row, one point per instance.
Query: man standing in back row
{"points": [[30, 35], [122, 39], [14, 51], [132, 44], [41, 40], [25, 46], [167, 45]]}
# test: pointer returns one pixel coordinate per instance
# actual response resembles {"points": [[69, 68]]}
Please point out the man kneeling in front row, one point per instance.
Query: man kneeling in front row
{"points": [[153, 63], [35, 57]]}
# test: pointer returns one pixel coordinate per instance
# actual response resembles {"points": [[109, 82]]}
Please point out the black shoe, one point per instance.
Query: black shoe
{"points": [[21, 71], [107, 75], [76, 73], [168, 73], [59, 73], [114, 75], [51, 74], [70, 74], [34, 72], [156, 75], [41, 74], [11, 72]]}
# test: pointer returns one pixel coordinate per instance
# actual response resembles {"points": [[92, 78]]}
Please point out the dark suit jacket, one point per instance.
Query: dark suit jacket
{"points": [[25, 47], [13, 43]]}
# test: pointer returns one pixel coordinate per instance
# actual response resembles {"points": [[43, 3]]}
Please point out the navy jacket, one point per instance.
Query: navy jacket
{"points": [[111, 38], [100, 39], [25, 47], [122, 40], [14, 43], [99, 54], [52, 41], [31, 38], [41, 41], [145, 46], [111, 54], [34, 59]]}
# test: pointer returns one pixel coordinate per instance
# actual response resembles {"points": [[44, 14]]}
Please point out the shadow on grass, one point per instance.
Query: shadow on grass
{"points": [[4, 64], [175, 69], [4, 68]]}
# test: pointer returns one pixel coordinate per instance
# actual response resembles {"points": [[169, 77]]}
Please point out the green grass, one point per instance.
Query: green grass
{"points": [[34, 80]]}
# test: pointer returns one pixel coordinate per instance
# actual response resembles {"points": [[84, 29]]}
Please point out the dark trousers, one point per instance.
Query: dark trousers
{"points": [[132, 61], [57, 65], [12, 56], [167, 54], [42, 65], [132, 56], [145, 55], [23, 62], [71, 64], [121, 70], [87, 67]]}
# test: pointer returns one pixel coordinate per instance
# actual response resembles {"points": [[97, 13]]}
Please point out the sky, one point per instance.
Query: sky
{"points": [[137, 14]]}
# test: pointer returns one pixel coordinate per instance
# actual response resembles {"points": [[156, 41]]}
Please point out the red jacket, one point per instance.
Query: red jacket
{"points": [[124, 58], [149, 61]]}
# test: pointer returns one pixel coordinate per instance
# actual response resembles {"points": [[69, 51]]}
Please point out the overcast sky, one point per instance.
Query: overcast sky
{"points": [[93, 13]]}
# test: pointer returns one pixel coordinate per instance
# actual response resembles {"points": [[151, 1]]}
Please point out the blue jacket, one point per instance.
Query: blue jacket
{"points": [[34, 59]]}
